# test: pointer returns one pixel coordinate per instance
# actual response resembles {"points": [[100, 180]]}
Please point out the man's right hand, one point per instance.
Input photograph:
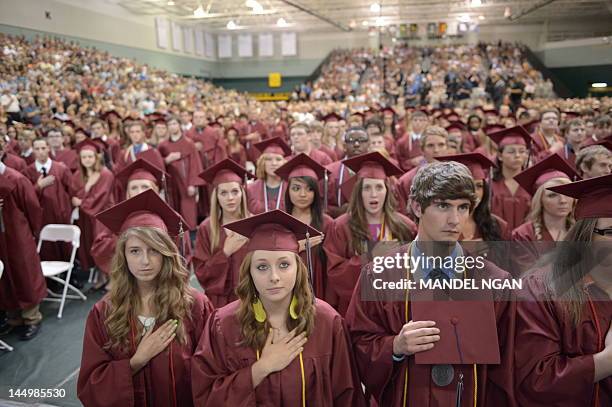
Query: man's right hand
{"points": [[173, 157], [44, 182], [416, 336]]}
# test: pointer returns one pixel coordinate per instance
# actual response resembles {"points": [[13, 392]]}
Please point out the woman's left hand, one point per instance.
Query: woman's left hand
{"points": [[314, 241]]}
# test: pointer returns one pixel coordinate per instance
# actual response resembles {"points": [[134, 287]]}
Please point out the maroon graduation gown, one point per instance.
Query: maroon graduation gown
{"points": [[320, 157], [374, 324], [554, 357], [511, 208], [68, 157], [93, 202], [406, 149], [339, 173], [239, 155], [125, 157], [403, 190], [526, 248], [319, 268], [184, 173], [330, 152], [22, 285], [56, 206], [106, 379], [344, 266], [255, 198], [221, 368], [217, 273], [15, 162]]}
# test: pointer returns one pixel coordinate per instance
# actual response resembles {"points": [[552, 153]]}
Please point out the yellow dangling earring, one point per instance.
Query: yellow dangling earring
{"points": [[259, 311], [292, 308]]}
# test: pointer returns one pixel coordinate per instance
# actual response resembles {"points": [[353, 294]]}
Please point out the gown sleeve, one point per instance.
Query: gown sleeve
{"points": [[103, 380], [214, 381]]}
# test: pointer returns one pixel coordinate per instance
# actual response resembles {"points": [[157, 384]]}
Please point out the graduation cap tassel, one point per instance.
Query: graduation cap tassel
{"points": [[181, 235], [325, 191], [1, 222], [309, 262]]}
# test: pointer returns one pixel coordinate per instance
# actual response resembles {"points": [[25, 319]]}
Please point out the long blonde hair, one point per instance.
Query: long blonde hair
{"points": [[254, 332], [260, 166], [172, 298], [97, 167], [537, 209], [216, 216]]}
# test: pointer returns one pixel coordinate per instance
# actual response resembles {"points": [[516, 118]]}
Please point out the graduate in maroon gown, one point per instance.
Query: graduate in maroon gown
{"points": [[316, 140], [139, 338], [551, 213], [22, 286], [26, 138], [408, 148], [595, 160], [59, 152], [409, 352], [136, 178], [563, 349], [547, 138], [482, 226], [267, 192], [332, 138], [276, 345], [219, 252], [509, 200], [356, 142], [53, 182], [235, 150], [433, 142], [300, 137], [184, 165], [370, 218], [91, 194], [304, 201]]}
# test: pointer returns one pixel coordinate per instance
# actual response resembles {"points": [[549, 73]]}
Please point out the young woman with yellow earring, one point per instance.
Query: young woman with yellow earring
{"points": [[276, 345]]}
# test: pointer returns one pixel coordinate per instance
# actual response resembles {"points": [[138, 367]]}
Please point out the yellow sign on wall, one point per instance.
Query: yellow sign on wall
{"points": [[275, 80]]}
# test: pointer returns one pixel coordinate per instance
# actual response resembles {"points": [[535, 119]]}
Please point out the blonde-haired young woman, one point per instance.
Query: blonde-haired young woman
{"points": [[140, 337]]}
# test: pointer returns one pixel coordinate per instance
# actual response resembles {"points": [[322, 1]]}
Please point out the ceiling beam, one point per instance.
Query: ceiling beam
{"points": [[530, 9], [317, 15]]}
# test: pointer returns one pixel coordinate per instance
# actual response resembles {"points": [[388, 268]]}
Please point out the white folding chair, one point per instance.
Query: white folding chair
{"points": [[4, 345], [52, 269]]}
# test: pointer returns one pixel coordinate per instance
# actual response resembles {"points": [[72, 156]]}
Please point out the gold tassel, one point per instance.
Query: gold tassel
{"points": [[292, 307]]}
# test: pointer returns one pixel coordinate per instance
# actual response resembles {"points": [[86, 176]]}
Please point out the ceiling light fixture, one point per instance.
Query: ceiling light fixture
{"points": [[199, 12], [375, 8], [231, 25], [481, 18], [281, 22], [476, 3], [365, 23], [599, 85], [171, 3], [465, 18]]}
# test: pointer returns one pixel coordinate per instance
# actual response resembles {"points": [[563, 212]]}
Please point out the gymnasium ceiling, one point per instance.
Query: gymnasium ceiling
{"points": [[317, 15]]}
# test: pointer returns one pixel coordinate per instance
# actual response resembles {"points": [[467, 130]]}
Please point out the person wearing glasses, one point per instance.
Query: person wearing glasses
{"points": [[356, 142], [563, 332]]}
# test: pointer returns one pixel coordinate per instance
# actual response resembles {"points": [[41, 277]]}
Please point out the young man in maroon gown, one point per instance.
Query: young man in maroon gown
{"points": [[52, 181], [412, 353], [184, 166], [22, 286]]}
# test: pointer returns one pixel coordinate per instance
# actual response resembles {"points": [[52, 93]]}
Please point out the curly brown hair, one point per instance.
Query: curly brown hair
{"points": [[254, 332], [172, 298]]}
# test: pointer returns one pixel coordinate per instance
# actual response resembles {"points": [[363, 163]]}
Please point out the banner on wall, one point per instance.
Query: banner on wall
{"points": [[188, 40], [161, 32], [245, 45], [177, 41], [224, 45], [266, 45], [209, 46], [288, 44], [199, 42]]}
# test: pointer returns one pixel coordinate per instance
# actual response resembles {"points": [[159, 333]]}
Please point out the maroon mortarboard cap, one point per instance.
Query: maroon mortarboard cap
{"points": [[6, 186], [101, 143], [455, 125], [226, 170], [478, 164], [69, 123], [331, 117], [468, 332], [452, 117], [275, 145], [388, 109], [552, 167], [146, 209], [109, 113], [479, 108], [571, 115], [372, 165], [141, 169], [360, 114], [160, 120], [88, 144], [512, 135], [594, 196], [82, 130], [301, 166], [493, 128], [274, 230], [490, 112]]}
